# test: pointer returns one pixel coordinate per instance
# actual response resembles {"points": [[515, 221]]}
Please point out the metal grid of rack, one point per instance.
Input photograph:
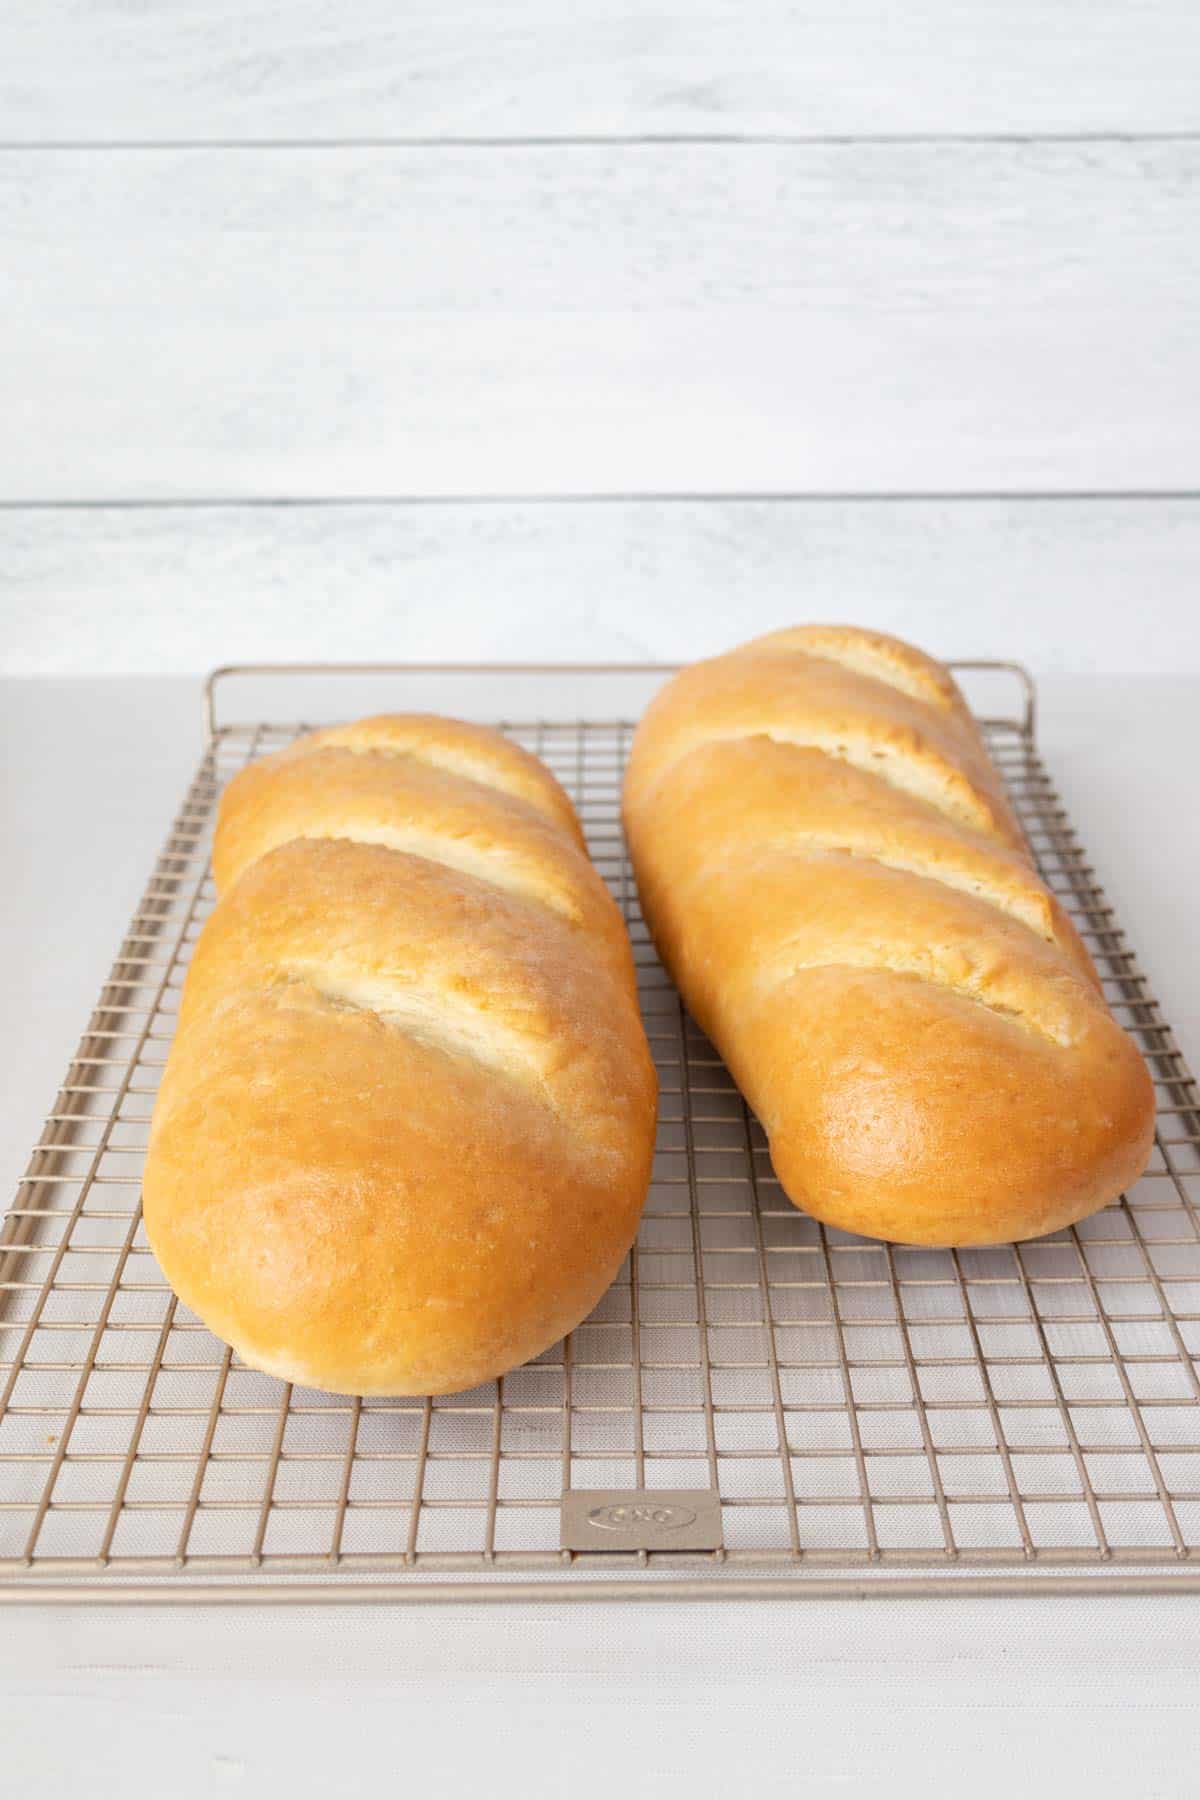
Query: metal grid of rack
{"points": [[989, 1415]]}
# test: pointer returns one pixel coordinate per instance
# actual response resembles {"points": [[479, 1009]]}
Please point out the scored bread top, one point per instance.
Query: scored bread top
{"points": [[475, 751], [850, 695]]}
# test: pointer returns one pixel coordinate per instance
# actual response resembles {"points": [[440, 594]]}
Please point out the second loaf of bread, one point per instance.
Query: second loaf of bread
{"points": [[832, 873], [405, 1131]]}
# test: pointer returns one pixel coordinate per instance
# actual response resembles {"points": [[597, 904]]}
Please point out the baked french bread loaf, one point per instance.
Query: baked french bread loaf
{"points": [[832, 874], [404, 1134]]}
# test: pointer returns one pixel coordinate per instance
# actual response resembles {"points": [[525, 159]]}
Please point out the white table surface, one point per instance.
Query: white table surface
{"points": [[896, 1697]]}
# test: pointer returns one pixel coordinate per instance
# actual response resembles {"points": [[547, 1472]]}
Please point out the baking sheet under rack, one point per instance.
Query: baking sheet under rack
{"points": [[871, 1418]]}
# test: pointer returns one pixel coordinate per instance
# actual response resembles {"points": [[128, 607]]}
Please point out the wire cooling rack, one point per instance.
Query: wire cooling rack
{"points": [[847, 1416]]}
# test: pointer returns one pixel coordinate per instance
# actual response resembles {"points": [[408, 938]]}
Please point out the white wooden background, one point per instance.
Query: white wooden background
{"points": [[611, 329]]}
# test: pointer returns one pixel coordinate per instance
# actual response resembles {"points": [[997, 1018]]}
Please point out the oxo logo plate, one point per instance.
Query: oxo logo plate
{"points": [[614, 1519]]}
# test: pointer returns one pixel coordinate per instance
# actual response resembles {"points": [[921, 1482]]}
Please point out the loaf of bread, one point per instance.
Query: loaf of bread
{"points": [[831, 872], [404, 1134]]}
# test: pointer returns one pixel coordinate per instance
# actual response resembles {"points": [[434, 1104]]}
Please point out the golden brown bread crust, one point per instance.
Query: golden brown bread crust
{"points": [[402, 804], [451, 744], [832, 873], [781, 691], [404, 1134]]}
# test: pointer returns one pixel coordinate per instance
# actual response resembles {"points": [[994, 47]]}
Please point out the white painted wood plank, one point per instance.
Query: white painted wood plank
{"points": [[317, 68], [382, 322], [1097, 586]]}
